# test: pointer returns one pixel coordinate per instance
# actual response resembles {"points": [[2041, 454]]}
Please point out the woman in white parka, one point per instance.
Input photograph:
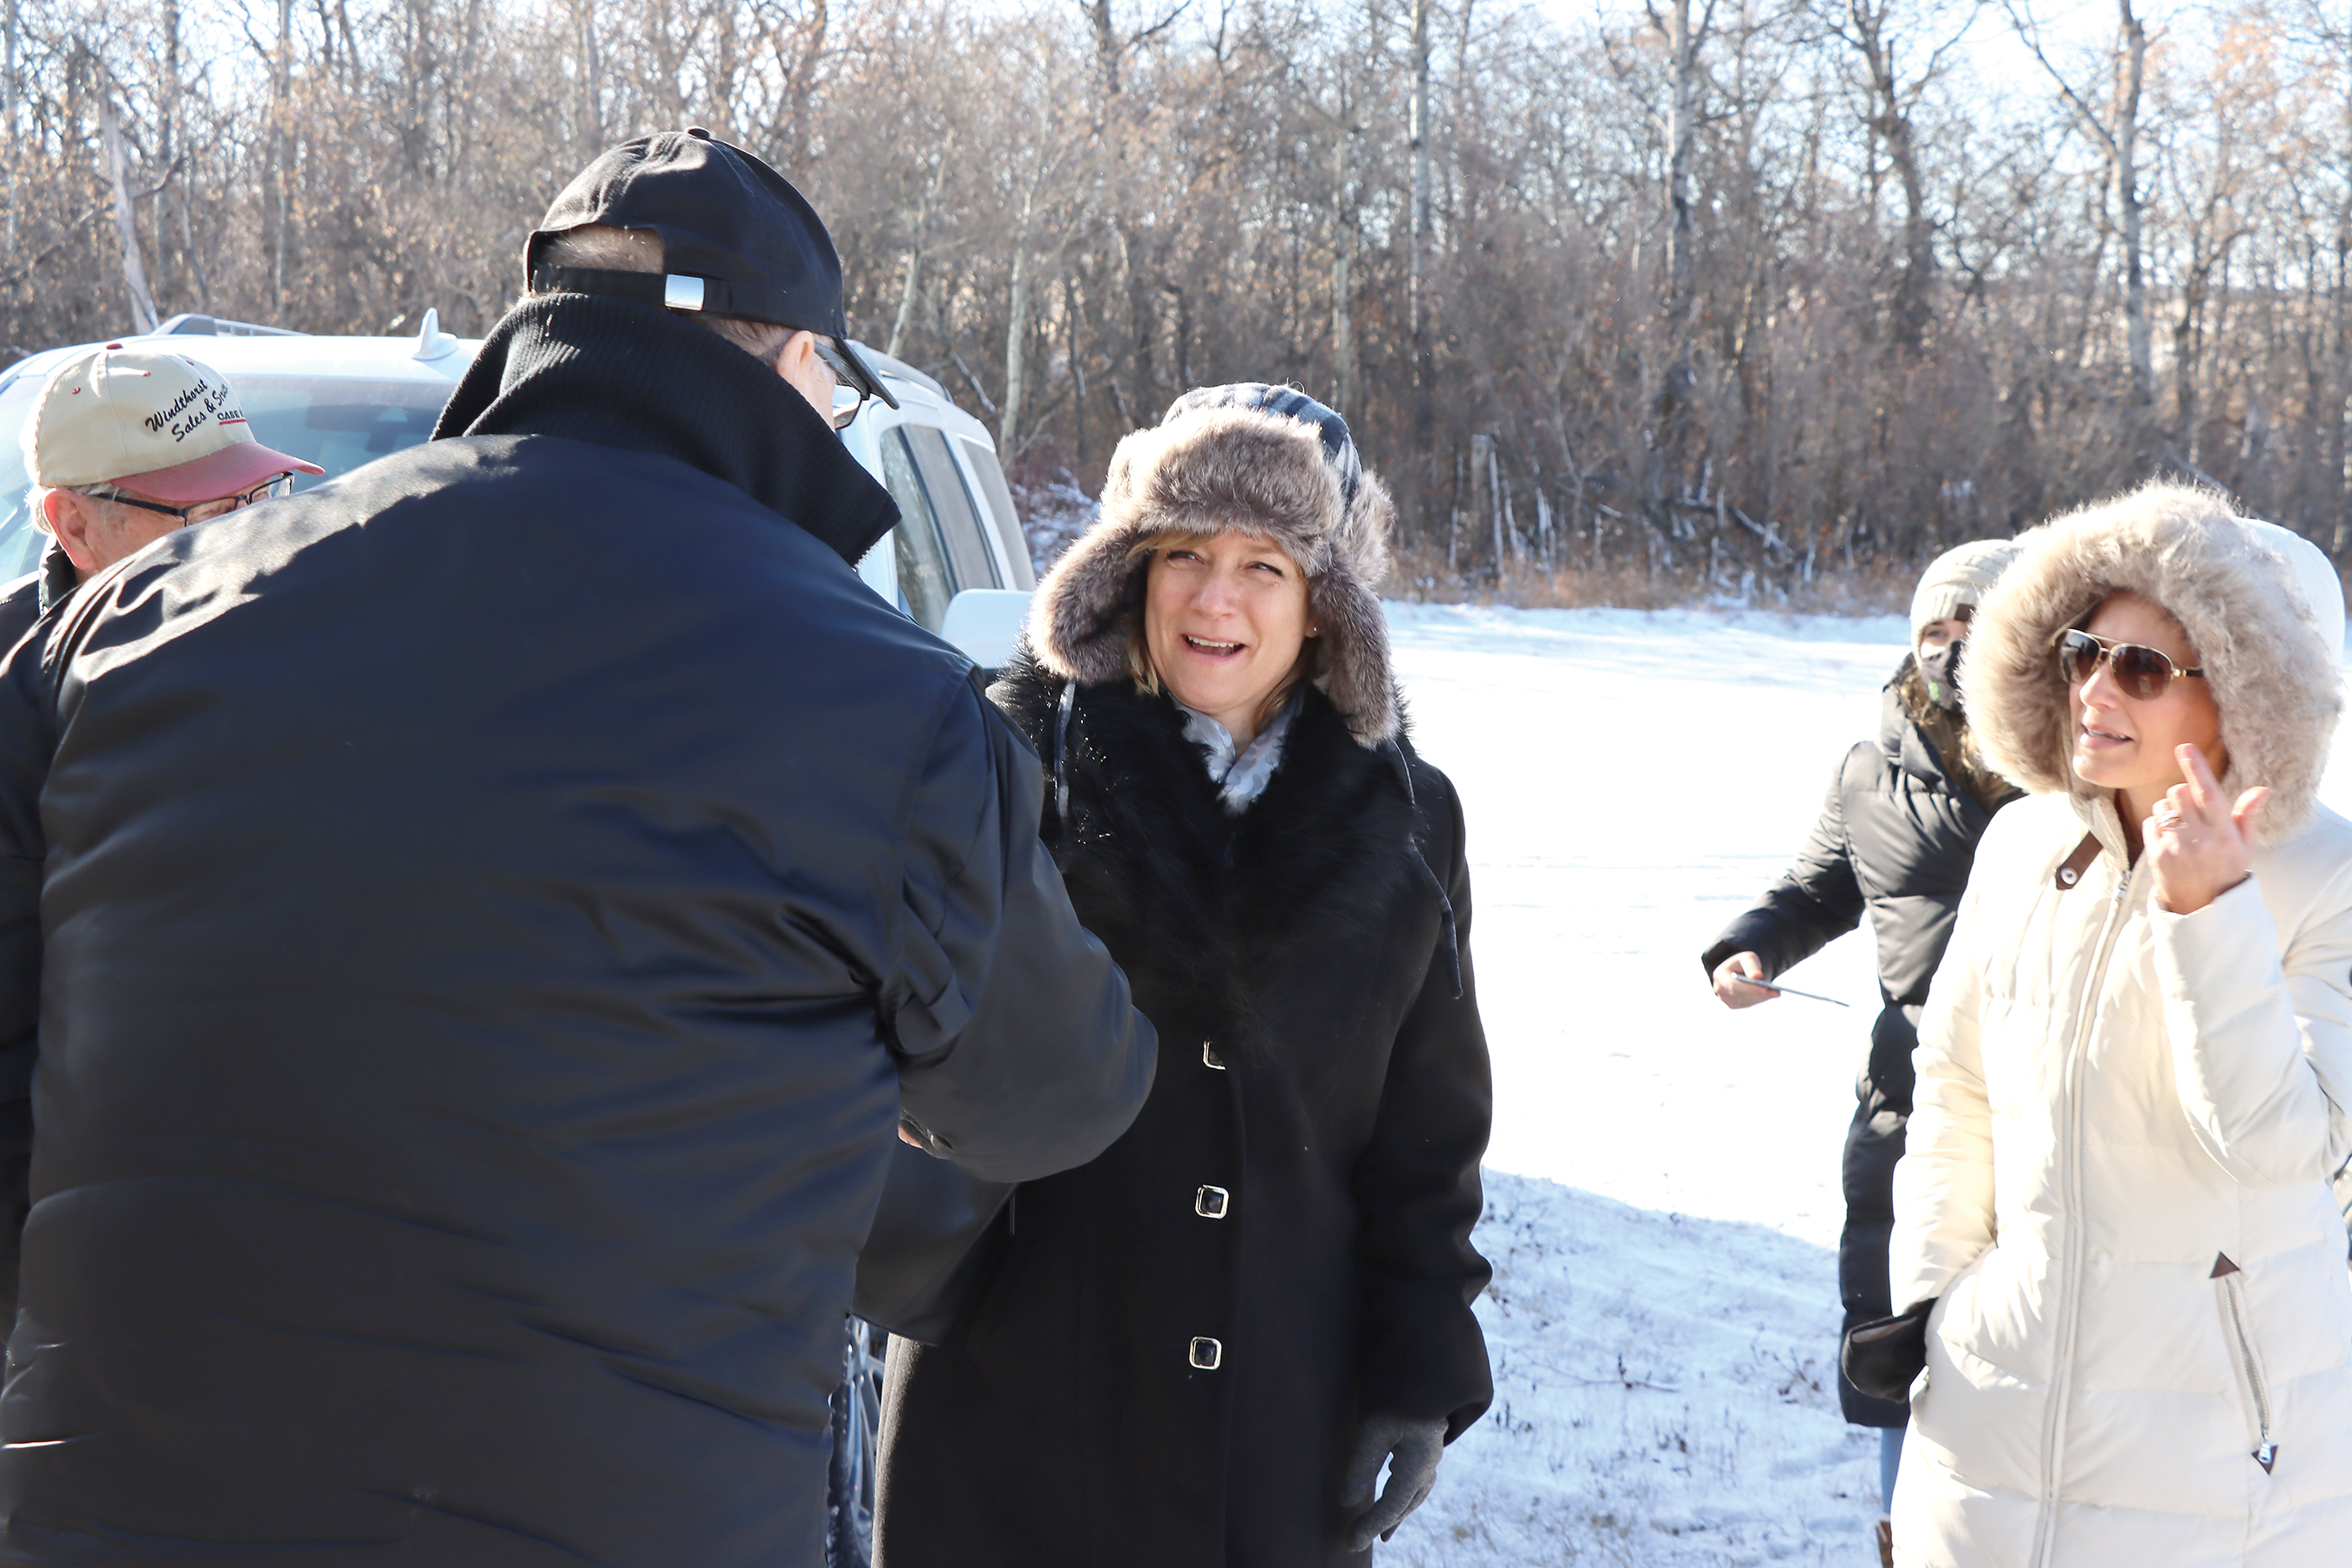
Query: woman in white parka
{"points": [[2135, 1071]]}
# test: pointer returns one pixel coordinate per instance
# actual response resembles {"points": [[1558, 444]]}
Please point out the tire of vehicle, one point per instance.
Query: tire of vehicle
{"points": [[856, 1430]]}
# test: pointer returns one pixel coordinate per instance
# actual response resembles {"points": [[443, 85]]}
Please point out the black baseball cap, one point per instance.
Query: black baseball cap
{"points": [[737, 238]]}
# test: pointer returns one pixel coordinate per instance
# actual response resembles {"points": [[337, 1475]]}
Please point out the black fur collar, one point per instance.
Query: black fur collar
{"points": [[1193, 903]]}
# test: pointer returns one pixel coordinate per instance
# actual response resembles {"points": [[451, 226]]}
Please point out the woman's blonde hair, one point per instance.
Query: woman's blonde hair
{"points": [[1138, 650]]}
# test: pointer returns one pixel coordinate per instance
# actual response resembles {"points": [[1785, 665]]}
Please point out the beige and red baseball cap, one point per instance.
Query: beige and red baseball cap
{"points": [[151, 421]]}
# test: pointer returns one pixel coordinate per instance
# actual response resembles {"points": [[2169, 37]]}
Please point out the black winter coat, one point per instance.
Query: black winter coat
{"points": [[1896, 837], [485, 918], [1323, 1086], [31, 596]]}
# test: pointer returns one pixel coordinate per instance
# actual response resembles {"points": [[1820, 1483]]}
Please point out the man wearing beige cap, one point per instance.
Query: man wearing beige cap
{"points": [[127, 445]]}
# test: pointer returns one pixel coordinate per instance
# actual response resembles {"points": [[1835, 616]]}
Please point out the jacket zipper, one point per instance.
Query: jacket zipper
{"points": [[2266, 1451], [2086, 1007]]}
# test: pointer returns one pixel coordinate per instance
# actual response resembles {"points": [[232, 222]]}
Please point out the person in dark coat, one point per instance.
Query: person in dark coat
{"points": [[1199, 1349], [481, 924], [1896, 836]]}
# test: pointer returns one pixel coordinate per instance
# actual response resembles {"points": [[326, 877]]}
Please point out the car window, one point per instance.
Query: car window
{"points": [[924, 585], [20, 540], [999, 496], [999, 508], [968, 552], [338, 422]]}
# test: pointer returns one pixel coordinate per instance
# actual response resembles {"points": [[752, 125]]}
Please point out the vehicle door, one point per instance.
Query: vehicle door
{"points": [[939, 545]]}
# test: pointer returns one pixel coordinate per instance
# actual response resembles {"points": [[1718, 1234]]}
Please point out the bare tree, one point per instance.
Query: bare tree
{"points": [[1053, 131], [1872, 29], [1740, 299], [2116, 128], [1418, 257], [942, 159], [1684, 37], [281, 114], [126, 219], [13, 94]]}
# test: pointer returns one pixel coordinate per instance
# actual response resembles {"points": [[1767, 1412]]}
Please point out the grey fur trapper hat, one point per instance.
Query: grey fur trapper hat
{"points": [[1266, 461]]}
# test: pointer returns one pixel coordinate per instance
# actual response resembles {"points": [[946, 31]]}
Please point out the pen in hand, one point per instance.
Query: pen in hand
{"points": [[1787, 990]]}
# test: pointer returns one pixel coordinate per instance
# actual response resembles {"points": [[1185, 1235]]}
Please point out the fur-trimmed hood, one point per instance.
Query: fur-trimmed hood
{"points": [[1233, 468], [2234, 590]]}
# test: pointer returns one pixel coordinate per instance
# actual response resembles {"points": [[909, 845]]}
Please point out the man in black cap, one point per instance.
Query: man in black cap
{"points": [[481, 923]]}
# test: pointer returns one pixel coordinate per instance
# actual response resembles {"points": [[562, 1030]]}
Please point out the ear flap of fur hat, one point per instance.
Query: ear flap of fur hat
{"points": [[2271, 670], [1229, 467]]}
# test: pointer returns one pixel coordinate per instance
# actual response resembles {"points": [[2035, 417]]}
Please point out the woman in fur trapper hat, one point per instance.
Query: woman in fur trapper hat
{"points": [[2135, 1071], [1199, 1349]]}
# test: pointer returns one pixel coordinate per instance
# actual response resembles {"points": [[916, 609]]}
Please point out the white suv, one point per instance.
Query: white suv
{"points": [[956, 562]]}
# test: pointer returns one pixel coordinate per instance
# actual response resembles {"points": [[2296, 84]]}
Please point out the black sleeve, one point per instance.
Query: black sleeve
{"points": [[1816, 901], [1019, 1053], [25, 745], [1417, 1186]]}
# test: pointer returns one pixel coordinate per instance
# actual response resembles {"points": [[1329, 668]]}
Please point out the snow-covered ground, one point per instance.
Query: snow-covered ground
{"points": [[1664, 1308]]}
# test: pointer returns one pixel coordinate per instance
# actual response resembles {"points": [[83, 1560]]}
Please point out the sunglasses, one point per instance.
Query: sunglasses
{"points": [[204, 511], [838, 363], [2142, 672]]}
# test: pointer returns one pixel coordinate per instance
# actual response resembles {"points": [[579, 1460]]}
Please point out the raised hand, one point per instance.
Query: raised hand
{"points": [[2200, 845], [1731, 992]]}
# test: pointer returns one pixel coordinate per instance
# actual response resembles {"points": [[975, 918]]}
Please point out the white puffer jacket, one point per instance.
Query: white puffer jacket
{"points": [[2116, 1177]]}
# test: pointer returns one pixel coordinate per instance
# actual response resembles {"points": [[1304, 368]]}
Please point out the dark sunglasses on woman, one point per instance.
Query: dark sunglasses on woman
{"points": [[2141, 671]]}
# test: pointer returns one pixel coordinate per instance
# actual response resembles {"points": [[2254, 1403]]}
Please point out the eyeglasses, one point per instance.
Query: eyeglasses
{"points": [[838, 363], [2143, 672], [204, 511]]}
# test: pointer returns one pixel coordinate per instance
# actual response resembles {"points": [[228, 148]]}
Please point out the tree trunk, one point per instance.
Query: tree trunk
{"points": [[2131, 62], [2186, 385], [1417, 303], [1074, 324], [1017, 331], [2187, 342], [1016, 334], [1891, 123], [1343, 258], [12, 148], [803, 81], [126, 220], [1343, 336], [1107, 49], [2340, 413], [280, 115], [908, 296], [1913, 304], [166, 110], [1133, 248], [195, 258], [1683, 109], [1495, 503], [587, 115]]}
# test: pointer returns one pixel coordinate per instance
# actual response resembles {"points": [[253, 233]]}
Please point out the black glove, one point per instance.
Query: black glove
{"points": [[1413, 1448], [1884, 1356]]}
